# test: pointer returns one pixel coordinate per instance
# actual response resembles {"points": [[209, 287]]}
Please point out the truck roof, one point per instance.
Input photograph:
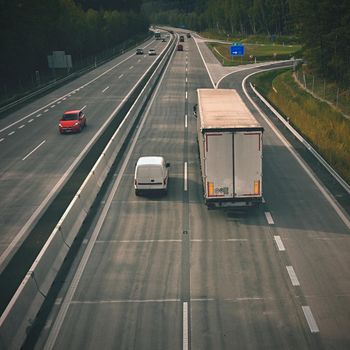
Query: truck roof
{"points": [[224, 109]]}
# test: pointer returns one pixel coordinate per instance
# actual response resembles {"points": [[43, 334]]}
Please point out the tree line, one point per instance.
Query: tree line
{"points": [[322, 25], [32, 29]]}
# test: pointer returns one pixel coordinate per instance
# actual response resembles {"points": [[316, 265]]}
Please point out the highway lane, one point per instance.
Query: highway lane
{"points": [[34, 157], [316, 239], [165, 273]]}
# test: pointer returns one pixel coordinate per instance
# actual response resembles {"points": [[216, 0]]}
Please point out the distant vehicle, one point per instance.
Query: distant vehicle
{"points": [[151, 174], [139, 51], [180, 47], [72, 121], [152, 52], [188, 35], [157, 35], [182, 38], [230, 149]]}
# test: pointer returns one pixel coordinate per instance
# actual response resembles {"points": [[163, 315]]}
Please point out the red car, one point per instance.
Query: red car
{"points": [[72, 121]]}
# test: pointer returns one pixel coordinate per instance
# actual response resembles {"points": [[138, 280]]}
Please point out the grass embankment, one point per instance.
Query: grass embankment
{"points": [[254, 53], [325, 128]]}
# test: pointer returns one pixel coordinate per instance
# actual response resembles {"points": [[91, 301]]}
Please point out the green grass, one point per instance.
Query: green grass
{"points": [[325, 128], [252, 39], [254, 52]]}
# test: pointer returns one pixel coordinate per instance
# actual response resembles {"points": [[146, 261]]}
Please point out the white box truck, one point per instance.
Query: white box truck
{"points": [[230, 149]]}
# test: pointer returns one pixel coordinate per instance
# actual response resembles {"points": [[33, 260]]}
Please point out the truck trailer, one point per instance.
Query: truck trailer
{"points": [[230, 149]]}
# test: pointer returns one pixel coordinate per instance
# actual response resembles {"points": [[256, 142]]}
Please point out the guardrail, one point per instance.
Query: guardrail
{"points": [[29, 297], [336, 176], [58, 82]]}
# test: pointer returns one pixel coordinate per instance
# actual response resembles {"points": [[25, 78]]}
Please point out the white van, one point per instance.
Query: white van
{"points": [[151, 173]]}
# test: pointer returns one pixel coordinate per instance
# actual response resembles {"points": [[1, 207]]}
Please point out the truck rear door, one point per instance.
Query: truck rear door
{"points": [[248, 164], [219, 165]]}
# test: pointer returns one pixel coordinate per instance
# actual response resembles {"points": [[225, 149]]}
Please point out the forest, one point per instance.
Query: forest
{"points": [[321, 25], [32, 29]]}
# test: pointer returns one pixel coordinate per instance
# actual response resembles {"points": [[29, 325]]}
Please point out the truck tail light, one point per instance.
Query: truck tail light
{"points": [[257, 187], [210, 188]]}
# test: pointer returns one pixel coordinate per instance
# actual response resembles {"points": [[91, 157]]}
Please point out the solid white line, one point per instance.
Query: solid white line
{"points": [[220, 240], [120, 76], [269, 218], [122, 301], [185, 326], [33, 150], [310, 319], [65, 96], [292, 275], [63, 178], [11, 133], [301, 162], [22, 126], [186, 125], [84, 260], [105, 89], [279, 243], [205, 64], [141, 241], [185, 176]]}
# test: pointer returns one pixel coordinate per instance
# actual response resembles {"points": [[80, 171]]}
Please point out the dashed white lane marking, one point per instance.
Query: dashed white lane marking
{"points": [[2, 140], [185, 326], [64, 99], [185, 176], [33, 150], [279, 243], [11, 133], [186, 80], [83, 108], [269, 218], [39, 115], [292, 275], [120, 76], [310, 319], [186, 95], [30, 120], [263, 200], [53, 106], [105, 89], [138, 61], [21, 126], [131, 67], [186, 121], [46, 110], [58, 102]]}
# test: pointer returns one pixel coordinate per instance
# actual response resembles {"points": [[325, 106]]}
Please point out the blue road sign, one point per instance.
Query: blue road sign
{"points": [[237, 50]]}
